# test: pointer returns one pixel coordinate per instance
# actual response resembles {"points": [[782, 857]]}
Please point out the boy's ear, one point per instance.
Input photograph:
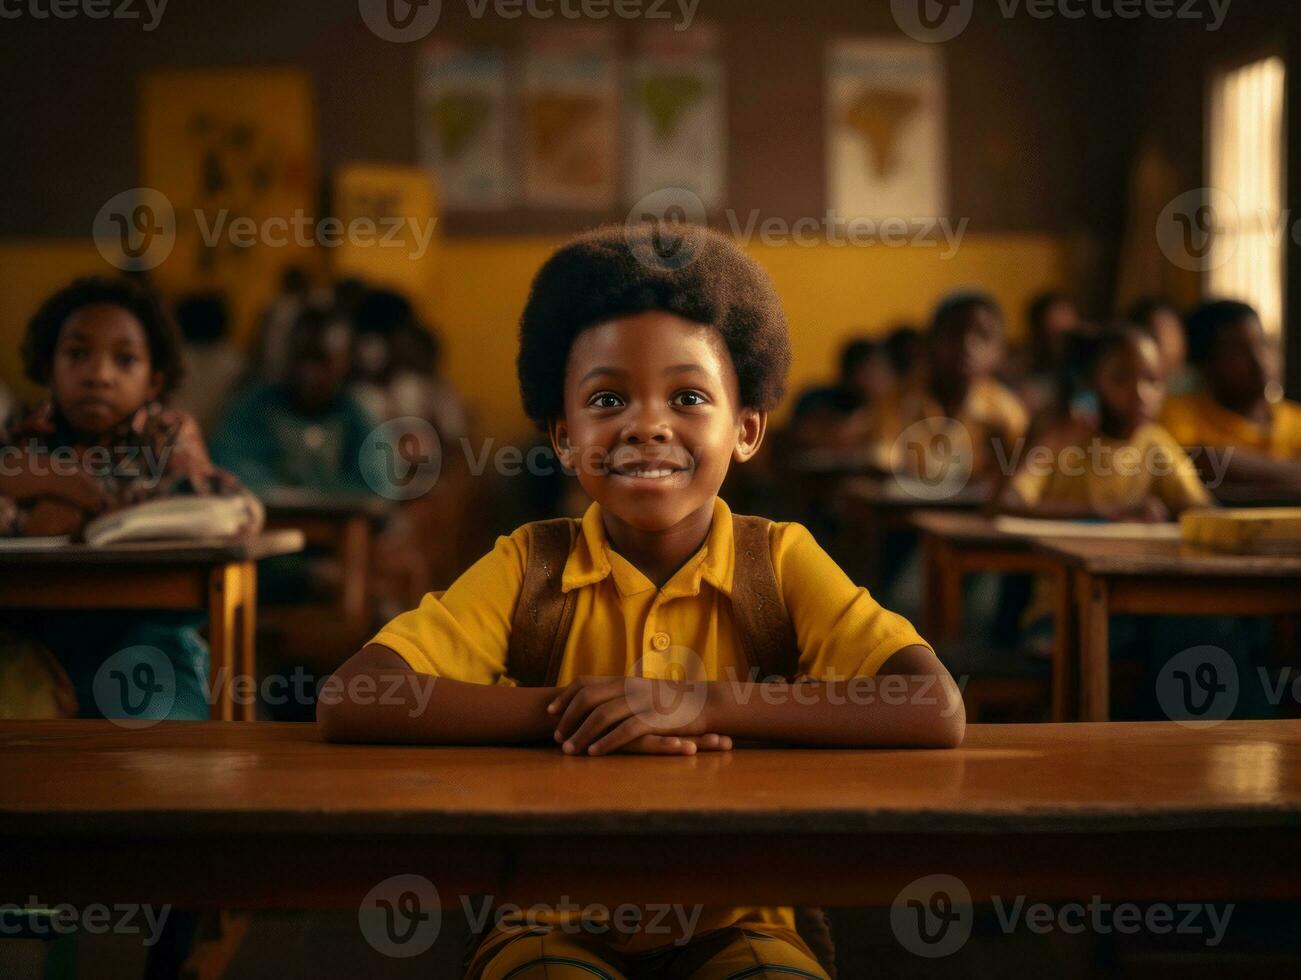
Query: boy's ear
{"points": [[558, 430], [752, 424]]}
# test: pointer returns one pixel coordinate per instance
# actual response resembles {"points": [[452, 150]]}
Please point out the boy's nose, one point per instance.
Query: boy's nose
{"points": [[646, 426]]}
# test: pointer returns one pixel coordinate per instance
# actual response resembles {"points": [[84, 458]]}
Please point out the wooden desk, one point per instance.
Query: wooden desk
{"points": [[1162, 578], [343, 524], [957, 544], [216, 576], [870, 507], [262, 816]]}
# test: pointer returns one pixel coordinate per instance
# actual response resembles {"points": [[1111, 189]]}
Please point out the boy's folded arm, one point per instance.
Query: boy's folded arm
{"points": [[911, 701], [376, 697]]}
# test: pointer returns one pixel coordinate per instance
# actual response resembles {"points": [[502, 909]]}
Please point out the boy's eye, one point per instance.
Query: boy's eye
{"points": [[126, 360], [690, 399], [74, 353], [605, 399]]}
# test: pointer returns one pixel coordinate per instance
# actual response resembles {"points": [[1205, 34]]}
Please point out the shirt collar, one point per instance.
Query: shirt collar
{"points": [[592, 559]]}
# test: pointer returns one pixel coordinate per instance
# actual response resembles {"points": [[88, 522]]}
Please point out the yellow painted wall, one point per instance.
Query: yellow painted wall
{"points": [[830, 293]]}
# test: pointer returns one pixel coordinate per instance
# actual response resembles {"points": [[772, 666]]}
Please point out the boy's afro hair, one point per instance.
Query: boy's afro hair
{"points": [[697, 274], [47, 323], [1207, 321]]}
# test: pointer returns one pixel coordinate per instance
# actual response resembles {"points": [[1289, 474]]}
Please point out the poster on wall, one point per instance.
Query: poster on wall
{"points": [[462, 120], [677, 125], [392, 216], [234, 153], [885, 125], [569, 119]]}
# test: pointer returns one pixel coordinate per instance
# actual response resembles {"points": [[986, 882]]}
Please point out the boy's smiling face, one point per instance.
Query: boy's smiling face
{"points": [[653, 419]]}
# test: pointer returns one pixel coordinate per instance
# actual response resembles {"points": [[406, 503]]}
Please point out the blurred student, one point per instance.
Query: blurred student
{"points": [[102, 441], [1123, 466], [305, 432], [1159, 317], [213, 364], [906, 348], [955, 421], [838, 416], [1051, 318], [1256, 441]]}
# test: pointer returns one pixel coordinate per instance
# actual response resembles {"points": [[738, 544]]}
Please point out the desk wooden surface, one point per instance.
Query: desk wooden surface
{"points": [[197, 551], [889, 494], [967, 529], [1167, 558], [267, 815]]}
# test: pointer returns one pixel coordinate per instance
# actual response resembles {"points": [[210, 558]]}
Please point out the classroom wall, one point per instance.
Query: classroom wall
{"points": [[829, 294]]}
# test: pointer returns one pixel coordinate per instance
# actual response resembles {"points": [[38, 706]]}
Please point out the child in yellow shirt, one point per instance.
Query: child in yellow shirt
{"points": [[1231, 410], [652, 371], [954, 421], [1123, 467]]}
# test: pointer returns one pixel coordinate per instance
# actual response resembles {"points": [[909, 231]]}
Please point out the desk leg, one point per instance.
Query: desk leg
{"points": [[246, 654], [354, 556], [1065, 707], [1095, 662], [225, 596]]}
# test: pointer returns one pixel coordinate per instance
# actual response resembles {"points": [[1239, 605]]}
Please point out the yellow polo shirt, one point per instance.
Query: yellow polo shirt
{"points": [[1199, 420], [841, 631], [1107, 473]]}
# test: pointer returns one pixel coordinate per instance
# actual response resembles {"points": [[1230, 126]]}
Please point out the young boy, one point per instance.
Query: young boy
{"points": [[957, 411], [651, 378], [305, 432], [1231, 411]]}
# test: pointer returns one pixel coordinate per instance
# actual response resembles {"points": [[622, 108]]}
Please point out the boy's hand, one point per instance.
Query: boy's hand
{"points": [[673, 745], [604, 714]]}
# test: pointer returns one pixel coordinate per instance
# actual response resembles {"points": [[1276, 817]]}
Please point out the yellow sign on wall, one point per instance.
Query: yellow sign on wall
{"points": [[388, 228], [234, 152]]}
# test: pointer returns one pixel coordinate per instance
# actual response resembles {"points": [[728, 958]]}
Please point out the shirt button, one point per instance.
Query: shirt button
{"points": [[660, 641]]}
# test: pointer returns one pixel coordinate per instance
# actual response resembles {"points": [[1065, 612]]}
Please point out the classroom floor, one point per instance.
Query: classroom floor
{"points": [[1261, 941]]}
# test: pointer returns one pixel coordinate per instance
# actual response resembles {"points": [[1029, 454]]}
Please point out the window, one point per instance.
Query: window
{"points": [[1246, 162]]}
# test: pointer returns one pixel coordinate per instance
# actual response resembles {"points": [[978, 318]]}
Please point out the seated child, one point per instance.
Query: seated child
{"points": [[1121, 467], [838, 418], [305, 432], [958, 420], [1256, 441], [650, 379], [103, 440]]}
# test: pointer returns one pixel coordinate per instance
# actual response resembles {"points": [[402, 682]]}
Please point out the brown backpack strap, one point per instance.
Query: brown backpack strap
{"points": [[762, 622], [544, 612]]}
